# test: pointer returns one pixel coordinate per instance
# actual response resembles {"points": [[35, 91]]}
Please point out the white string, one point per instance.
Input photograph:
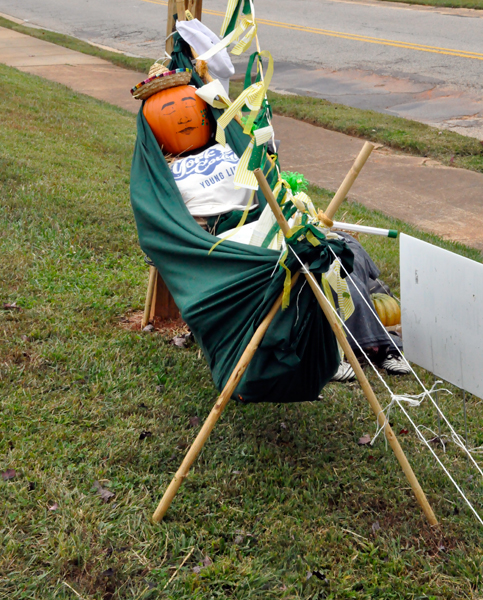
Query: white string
{"points": [[411, 400], [435, 404], [397, 399], [435, 436], [297, 304]]}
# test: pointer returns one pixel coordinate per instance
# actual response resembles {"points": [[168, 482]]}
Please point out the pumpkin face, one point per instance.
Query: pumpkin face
{"points": [[178, 119]]}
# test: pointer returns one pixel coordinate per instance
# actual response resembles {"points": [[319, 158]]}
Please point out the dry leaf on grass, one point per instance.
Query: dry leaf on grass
{"points": [[103, 492], [54, 506], [365, 439], [9, 474], [194, 421], [13, 306]]}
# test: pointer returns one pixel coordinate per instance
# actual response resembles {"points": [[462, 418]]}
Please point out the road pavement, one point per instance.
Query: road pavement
{"points": [[416, 62]]}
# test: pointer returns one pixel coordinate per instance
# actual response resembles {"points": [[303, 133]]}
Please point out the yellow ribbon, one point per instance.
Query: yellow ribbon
{"points": [[243, 177], [241, 46], [230, 9], [339, 285], [287, 284]]}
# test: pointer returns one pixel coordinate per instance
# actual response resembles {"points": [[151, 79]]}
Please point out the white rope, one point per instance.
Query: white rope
{"points": [[425, 391]]}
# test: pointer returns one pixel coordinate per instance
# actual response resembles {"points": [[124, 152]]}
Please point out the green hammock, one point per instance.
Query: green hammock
{"points": [[224, 296]]}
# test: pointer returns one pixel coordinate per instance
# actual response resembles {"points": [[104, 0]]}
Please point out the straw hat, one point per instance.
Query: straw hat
{"points": [[159, 79]]}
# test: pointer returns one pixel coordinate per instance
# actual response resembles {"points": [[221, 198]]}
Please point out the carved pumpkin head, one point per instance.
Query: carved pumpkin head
{"points": [[178, 119]]}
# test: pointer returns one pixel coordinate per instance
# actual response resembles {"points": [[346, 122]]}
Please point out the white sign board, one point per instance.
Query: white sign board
{"points": [[442, 313]]}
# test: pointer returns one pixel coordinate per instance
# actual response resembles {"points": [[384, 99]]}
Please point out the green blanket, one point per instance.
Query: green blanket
{"points": [[224, 296]]}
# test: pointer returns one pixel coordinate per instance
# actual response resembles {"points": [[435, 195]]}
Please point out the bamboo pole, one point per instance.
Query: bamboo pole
{"points": [[351, 176], [153, 272], [365, 385], [217, 409]]}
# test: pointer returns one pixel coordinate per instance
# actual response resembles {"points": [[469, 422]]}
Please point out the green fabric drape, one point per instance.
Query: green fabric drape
{"points": [[224, 296]]}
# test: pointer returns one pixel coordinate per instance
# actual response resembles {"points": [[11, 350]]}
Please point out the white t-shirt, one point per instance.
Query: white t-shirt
{"points": [[206, 182]]}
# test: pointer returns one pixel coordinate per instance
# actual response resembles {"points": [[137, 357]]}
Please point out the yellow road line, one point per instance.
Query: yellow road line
{"points": [[353, 36]]}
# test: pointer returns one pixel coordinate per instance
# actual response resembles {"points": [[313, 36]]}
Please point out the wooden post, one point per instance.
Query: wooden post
{"points": [[180, 9], [216, 411], [198, 9], [163, 305], [170, 25], [365, 385]]}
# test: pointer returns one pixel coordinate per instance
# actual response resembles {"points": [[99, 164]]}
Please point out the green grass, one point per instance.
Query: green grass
{"points": [[279, 492], [476, 4], [401, 134]]}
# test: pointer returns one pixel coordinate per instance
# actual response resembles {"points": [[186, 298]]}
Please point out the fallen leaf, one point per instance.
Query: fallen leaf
{"points": [[207, 562], [194, 421], [144, 434], [103, 492], [9, 474], [183, 341], [160, 388], [149, 328], [404, 432], [54, 506], [239, 539], [11, 306], [197, 569], [365, 439], [375, 526]]}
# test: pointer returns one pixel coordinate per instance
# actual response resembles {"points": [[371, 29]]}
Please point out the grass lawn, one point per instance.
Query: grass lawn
{"points": [[283, 502]]}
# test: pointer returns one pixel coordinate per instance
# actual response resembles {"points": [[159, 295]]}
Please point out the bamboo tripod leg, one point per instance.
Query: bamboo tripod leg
{"points": [[216, 411], [349, 179], [374, 403], [149, 296], [365, 385]]}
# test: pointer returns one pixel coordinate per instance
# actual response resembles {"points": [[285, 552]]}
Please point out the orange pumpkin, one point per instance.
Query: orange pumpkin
{"points": [[178, 119]]}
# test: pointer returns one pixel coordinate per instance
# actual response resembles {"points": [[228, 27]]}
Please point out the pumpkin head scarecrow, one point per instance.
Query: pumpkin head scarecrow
{"points": [[177, 116]]}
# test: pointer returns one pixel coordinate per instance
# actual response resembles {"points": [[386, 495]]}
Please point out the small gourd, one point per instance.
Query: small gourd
{"points": [[387, 309], [178, 118]]}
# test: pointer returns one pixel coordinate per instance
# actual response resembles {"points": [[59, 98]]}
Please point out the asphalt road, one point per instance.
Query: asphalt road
{"points": [[416, 62]]}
